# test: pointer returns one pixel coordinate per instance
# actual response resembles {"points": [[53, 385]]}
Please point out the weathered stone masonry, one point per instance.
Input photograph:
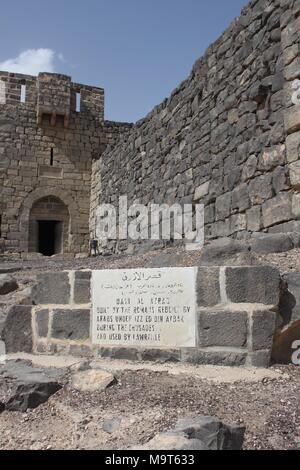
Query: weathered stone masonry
{"points": [[237, 318], [228, 136], [46, 151]]}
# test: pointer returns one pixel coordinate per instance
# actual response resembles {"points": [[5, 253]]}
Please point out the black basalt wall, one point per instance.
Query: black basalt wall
{"points": [[227, 137]]}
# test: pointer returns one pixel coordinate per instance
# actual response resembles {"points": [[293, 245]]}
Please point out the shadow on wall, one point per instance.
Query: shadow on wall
{"points": [[283, 345], [290, 313]]}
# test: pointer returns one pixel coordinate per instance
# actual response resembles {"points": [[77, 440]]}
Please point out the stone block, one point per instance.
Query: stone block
{"points": [[222, 328], [160, 355], [272, 157], [130, 354], [278, 209], [53, 288], [80, 350], [272, 243], [209, 214], [288, 227], [42, 322], [296, 205], [256, 284], [221, 229], [214, 356], [293, 147], [208, 286], [260, 189], [17, 332], [232, 179], [226, 252], [279, 179], [294, 169], [82, 287], [292, 119], [223, 206], [261, 359], [296, 8], [295, 237], [254, 219], [291, 33], [238, 223], [292, 71], [71, 325], [263, 329], [240, 198], [249, 168], [46, 348], [201, 191]]}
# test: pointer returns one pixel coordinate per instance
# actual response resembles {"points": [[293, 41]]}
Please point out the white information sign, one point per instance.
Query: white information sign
{"points": [[148, 308]]}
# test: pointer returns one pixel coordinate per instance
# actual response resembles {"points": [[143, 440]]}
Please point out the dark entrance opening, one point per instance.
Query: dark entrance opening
{"points": [[49, 237]]}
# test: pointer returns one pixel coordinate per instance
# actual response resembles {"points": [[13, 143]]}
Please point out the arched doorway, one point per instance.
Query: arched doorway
{"points": [[49, 227]]}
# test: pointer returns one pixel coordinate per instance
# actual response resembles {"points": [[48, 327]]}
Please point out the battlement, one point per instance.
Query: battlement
{"points": [[52, 95]]}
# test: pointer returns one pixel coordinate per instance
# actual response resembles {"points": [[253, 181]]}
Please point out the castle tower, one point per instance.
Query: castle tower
{"points": [[50, 128]]}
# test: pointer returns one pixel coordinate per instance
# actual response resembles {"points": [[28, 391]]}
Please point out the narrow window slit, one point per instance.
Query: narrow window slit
{"points": [[78, 102], [51, 157]]}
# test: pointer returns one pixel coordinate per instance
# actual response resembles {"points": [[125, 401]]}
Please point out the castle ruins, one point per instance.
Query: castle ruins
{"points": [[228, 137]]}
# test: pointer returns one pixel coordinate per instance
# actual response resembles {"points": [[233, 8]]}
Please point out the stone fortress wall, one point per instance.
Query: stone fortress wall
{"points": [[47, 144], [227, 137]]}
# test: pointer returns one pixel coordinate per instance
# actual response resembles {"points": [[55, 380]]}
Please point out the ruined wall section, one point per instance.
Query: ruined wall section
{"points": [[220, 138], [46, 149], [58, 319]]}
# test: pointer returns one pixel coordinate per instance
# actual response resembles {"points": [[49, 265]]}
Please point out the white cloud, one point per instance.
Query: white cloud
{"points": [[31, 62], [61, 57]]}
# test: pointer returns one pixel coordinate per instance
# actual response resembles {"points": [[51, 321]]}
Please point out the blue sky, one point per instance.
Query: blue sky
{"points": [[138, 50]]}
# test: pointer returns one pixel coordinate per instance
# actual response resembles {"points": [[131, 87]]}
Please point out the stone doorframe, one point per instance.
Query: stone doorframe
{"points": [[33, 197]]}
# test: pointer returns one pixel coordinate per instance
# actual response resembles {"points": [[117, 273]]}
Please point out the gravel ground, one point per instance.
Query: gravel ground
{"points": [[168, 257], [286, 262], [147, 402]]}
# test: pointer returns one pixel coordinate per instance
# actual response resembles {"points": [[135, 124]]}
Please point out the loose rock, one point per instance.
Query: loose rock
{"points": [[199, 433], [7, 284], [111, 425], [92, 380], [28, 387]]}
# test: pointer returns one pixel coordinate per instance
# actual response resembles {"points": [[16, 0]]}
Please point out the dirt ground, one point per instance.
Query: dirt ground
{"points": [[149, 399], [172, 257]]}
